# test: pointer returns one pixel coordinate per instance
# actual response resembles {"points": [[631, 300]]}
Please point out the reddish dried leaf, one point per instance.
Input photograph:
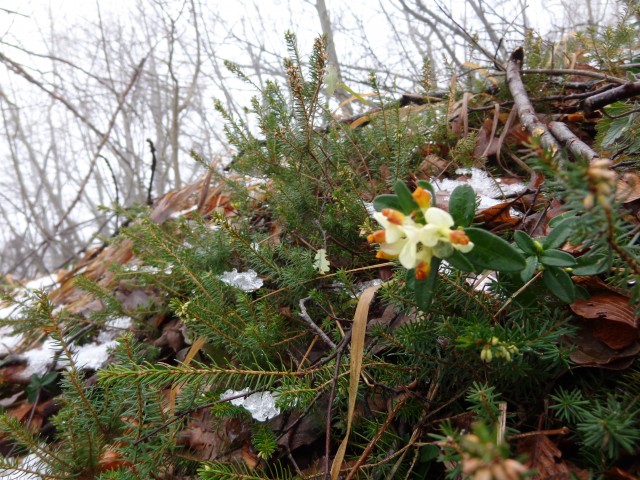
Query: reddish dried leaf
{"points": [[486, 145], [591, 351], [628, 188], [607, 305], [249, 457], [497, 215], [616, 335], [617, 473], [544, 457]]}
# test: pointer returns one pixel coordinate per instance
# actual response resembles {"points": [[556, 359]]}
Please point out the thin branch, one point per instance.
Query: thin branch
{"points": [[523, 105]]}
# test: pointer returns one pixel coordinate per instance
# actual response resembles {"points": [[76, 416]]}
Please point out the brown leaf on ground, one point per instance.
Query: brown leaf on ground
{"points": [[628, 188], [544, 457], [497, 216], [606, 305], [616, 473], [591, 351]]}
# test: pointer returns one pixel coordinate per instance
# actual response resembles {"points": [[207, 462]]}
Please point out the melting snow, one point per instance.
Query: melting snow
{"points": [[261, 405], [31, 463], [247, 281], [8, 342], [40, 359], [487, 189], [45, 282], [88, 356]]}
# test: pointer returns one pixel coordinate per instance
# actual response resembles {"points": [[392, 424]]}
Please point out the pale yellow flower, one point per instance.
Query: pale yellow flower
{"points": [[414, 244]]}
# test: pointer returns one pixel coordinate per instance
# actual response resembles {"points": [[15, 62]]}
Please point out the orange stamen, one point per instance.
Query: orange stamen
{"points": [[422, 197], [377, 237], [422, 270], [394, 216], [384, 256], [458, 237]]}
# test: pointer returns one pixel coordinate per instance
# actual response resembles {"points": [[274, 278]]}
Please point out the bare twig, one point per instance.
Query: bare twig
{"points": [[305, 316], [622, 92], [523, 105]]}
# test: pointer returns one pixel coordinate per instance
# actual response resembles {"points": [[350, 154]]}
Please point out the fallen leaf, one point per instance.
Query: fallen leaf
{"points": [[544, 457], [606, 305]]}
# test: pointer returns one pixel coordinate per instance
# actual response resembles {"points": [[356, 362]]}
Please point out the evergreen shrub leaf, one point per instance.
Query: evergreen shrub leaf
{"points": [[492, 252], [407, 203], [387, 201], [557, 258], [462, 205], [560, 284]]}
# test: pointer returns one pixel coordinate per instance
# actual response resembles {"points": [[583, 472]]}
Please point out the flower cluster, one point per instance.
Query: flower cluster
{"points": [[415, 243], [601, 183], [497, 349]]}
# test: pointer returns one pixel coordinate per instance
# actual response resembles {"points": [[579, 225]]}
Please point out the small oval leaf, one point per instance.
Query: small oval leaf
{"points": [[492, 252], [407, 203], [557, 258], [386, 201], [594, 263], [525, 242], [560, 233], [424, 289], [530, 269], [560, 284], [462, 205]]}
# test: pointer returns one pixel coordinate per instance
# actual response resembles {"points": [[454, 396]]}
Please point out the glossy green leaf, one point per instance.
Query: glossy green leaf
{"points": [[407, 203], [386, 201], [594, 263], [560, 233], [424, 289], [462, 205], [492, 252], [555, 221], [460, 262], [530, 269], [525, 242], [560, 284], [557, 258]]}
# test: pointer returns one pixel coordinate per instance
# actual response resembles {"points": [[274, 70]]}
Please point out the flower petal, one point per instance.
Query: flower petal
{"points": [[408, 255], [438, 217]]}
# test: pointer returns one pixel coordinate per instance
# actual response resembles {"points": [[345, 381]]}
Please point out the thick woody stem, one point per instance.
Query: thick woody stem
{"points": [[523, 105]]}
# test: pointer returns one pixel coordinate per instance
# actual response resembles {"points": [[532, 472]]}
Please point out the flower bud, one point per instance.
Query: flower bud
{"points": [[377, 237], [422, 197], [394, 216], [422, 270], [459, 237]]}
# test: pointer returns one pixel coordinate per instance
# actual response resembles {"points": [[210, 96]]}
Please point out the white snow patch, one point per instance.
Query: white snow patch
{"points": [[261, 405], [30, 462], [46, 282], [11, 312], [93, 355], [369, 207], [360, 287], [39, 360], [88, 356], [8, 342], [247, 281], [487, 189]]}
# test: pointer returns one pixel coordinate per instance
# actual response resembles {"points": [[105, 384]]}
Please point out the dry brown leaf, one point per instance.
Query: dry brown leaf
{"points": [[591, 351], [615, 335], [498, 215], [628, 188], [358, 332], [607, 305], [544, 457]]}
